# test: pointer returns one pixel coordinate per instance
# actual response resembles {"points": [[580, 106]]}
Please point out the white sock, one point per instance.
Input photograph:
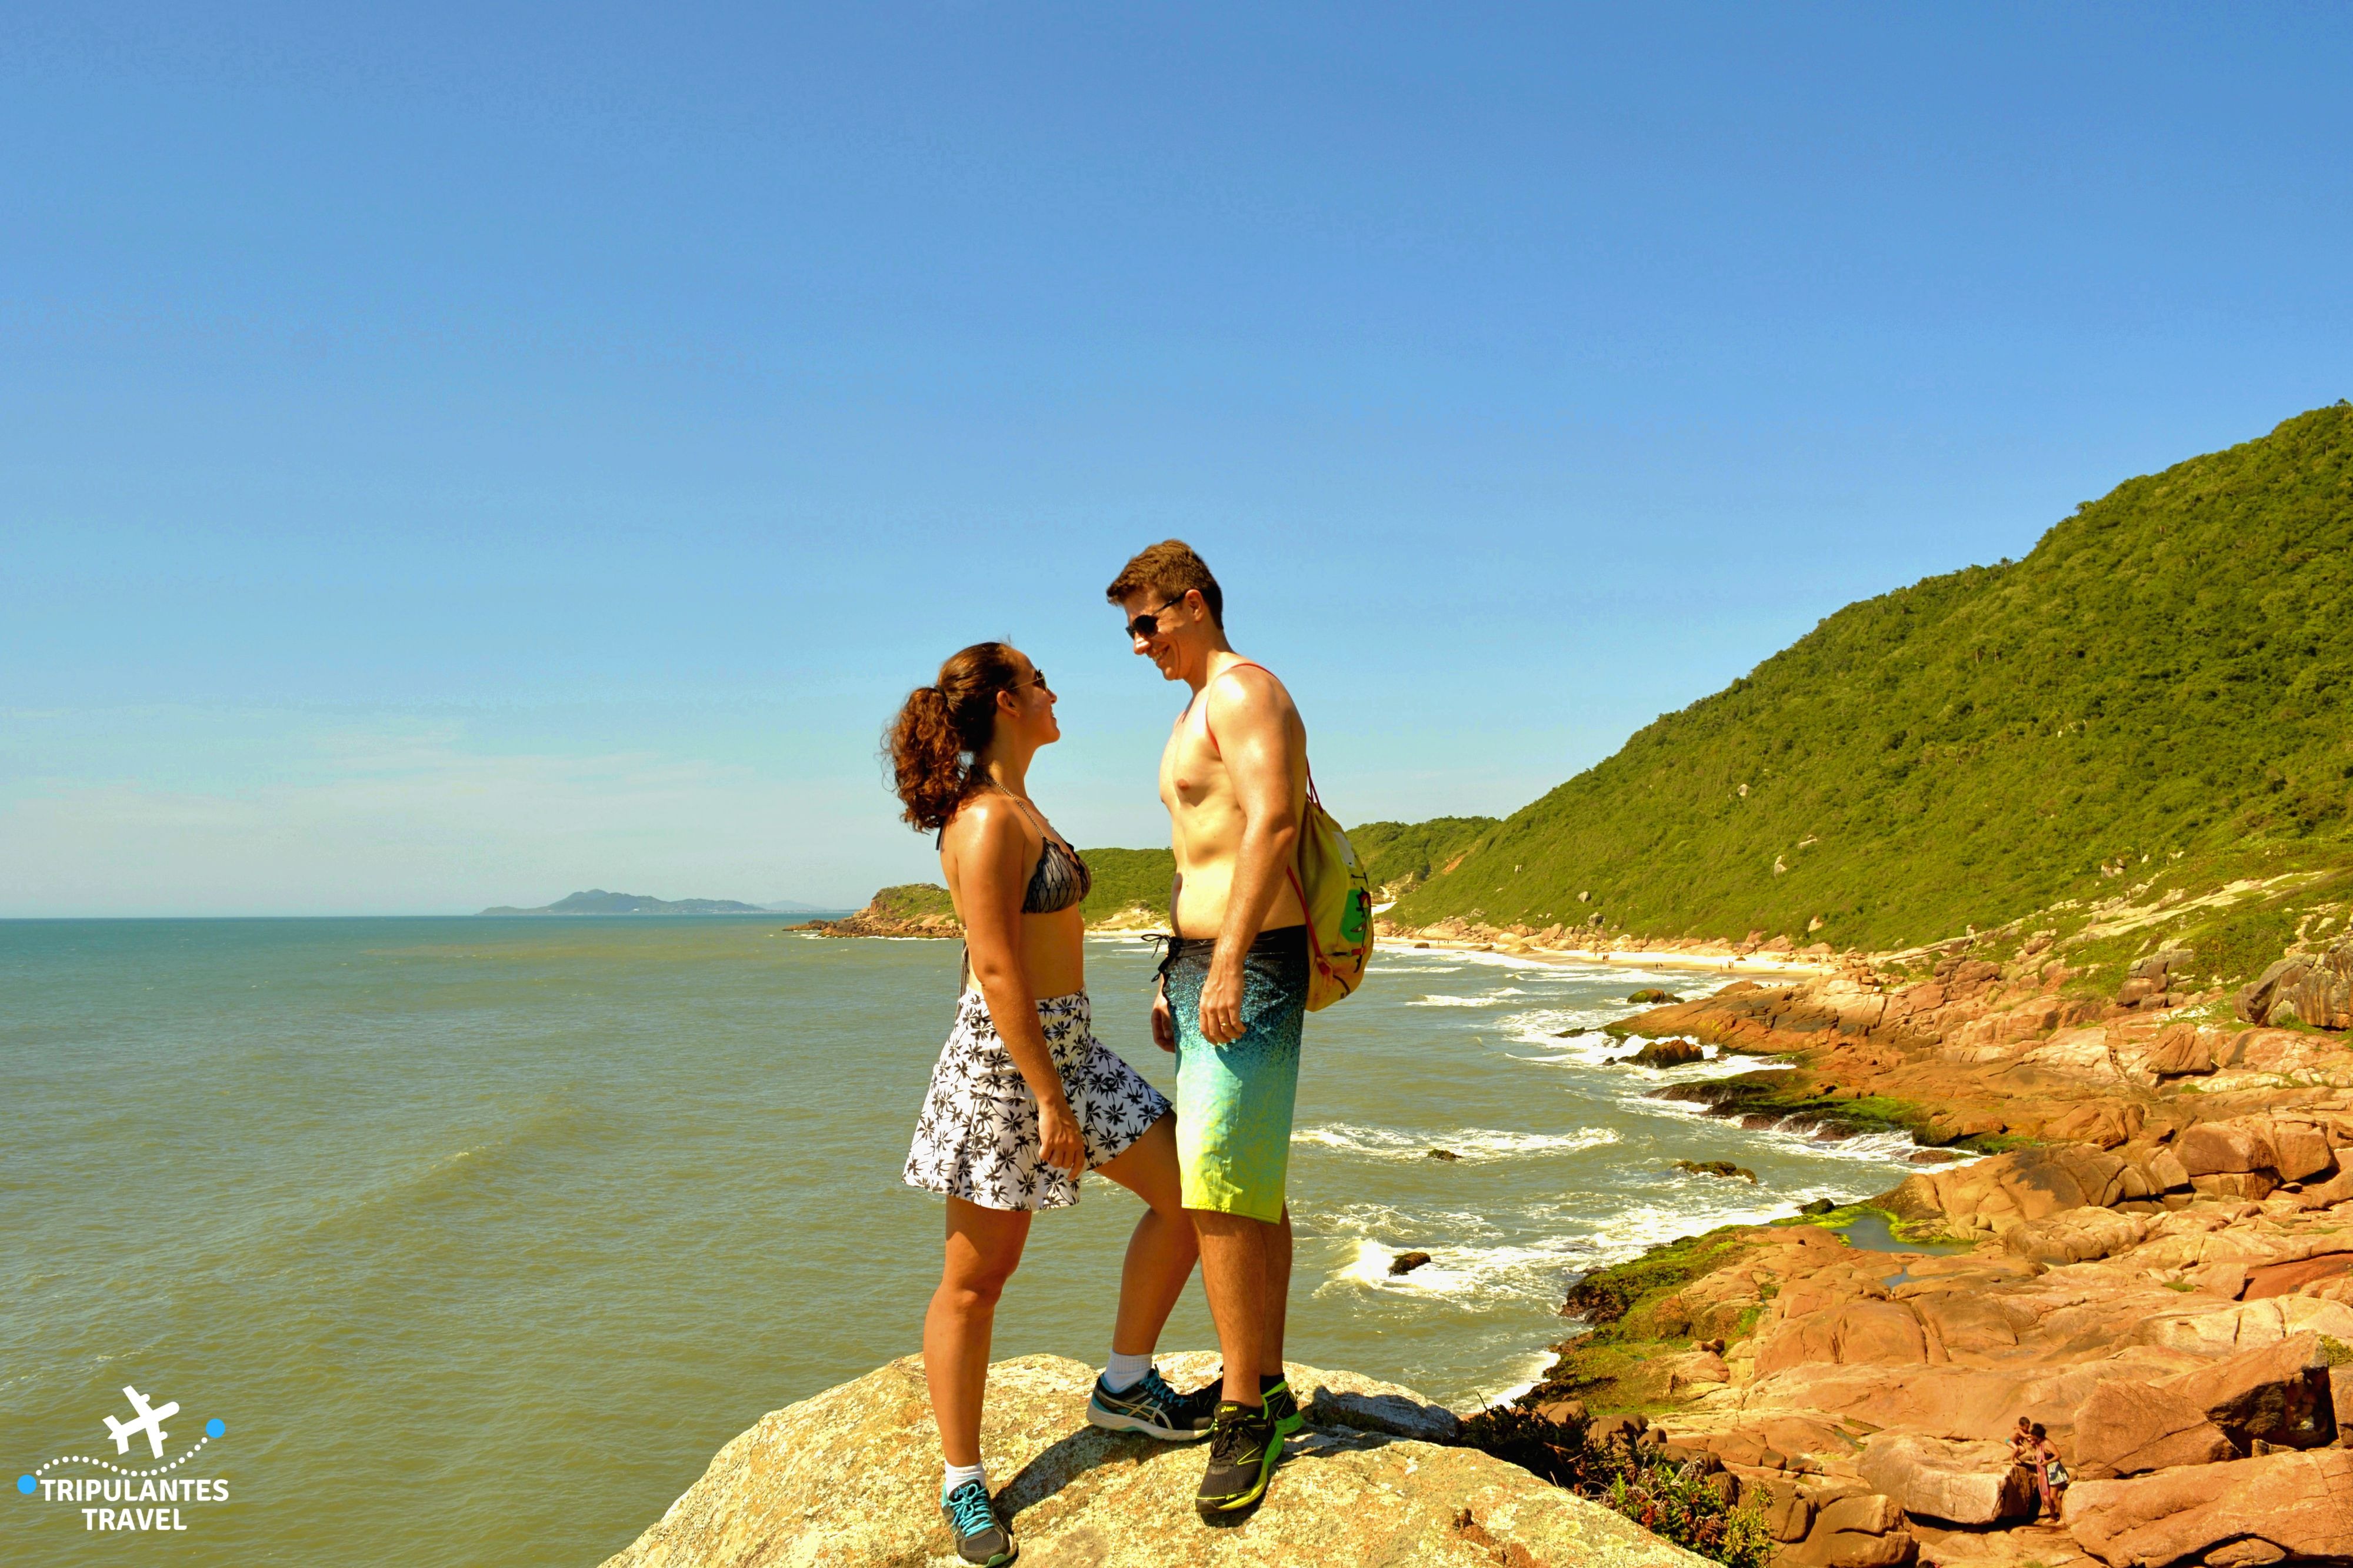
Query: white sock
{"points": [[1126, 1371], [956, 1475]]}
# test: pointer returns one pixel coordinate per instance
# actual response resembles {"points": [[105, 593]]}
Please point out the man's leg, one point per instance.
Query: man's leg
{"points": [[1234, 1252], [1278, 1294]]}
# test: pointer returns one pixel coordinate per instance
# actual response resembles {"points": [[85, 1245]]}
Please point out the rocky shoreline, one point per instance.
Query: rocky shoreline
{"points": [[2151, 1254]]}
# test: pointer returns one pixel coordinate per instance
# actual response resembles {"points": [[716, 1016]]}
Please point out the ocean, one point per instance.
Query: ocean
{"points": [[478, 1236]]}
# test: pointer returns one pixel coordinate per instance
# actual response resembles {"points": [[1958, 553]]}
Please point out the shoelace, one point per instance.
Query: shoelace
{"points": [[1155, 1388], [968, 1505], [1229, 1439]]}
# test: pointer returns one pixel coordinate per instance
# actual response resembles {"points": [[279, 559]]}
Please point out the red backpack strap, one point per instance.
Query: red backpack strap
{"points": [[1207, 728]]}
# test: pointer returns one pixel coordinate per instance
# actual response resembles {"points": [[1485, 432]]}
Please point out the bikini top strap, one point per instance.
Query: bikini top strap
{"points": [[1208, 729]]}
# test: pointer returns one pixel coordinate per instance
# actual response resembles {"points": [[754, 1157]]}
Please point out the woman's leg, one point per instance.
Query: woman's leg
{"points": [[1164, 1248], [983, 1249]]}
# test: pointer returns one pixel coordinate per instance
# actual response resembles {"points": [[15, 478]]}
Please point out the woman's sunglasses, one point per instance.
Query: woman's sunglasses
{"points": [[1147, 624]]}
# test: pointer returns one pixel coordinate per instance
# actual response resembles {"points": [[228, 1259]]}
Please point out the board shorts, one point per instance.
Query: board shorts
{"points": [[977, 1137], [1234, 1101]]}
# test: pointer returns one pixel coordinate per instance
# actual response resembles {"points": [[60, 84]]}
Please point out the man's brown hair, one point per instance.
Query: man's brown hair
{"points": [[1171, 569]]}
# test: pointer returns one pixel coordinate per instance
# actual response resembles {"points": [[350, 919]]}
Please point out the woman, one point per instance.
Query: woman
{"points": [[1024, 1098], [2029, 1447]]}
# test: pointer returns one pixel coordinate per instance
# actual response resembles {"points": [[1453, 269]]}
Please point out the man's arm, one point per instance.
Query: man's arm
{"points": [[1256, 744]]}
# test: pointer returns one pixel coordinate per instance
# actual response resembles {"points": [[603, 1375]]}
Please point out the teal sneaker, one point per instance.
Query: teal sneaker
{"points": [[980, 1536], [1155, 1409], [1243, 1450]]}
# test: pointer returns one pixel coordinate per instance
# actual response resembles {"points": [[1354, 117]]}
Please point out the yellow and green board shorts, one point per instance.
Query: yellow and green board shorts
{"points": [[1234, 1101]]}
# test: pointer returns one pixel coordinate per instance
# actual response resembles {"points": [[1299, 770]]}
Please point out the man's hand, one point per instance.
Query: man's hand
{"points": [[1221, 1005], [1164, 1022], [1058, 1144]]}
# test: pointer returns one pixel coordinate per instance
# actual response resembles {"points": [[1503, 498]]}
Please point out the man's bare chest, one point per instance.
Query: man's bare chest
{"points": [[1191, 771]]}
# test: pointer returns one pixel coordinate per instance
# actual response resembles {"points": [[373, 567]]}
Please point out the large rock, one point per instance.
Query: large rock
{"points": [[1865, 1532], [2010, 1189], [2276, 1394], [1959, 1483], [2229, 1516], [2304, 989], [2129, 1429], [2077, 1236], [1866, 1332], [2225, 1148], [773, 1497]]}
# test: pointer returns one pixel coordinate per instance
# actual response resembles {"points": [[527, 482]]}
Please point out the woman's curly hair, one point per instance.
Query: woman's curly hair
{"points": [[940, 726]]}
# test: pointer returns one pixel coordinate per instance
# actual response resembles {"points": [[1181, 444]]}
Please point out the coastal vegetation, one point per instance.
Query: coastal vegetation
{"points": [[2156, 695], [1665, 1494]]}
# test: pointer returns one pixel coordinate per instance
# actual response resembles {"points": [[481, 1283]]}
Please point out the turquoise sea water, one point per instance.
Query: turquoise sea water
{"points": [[479, 1237]]}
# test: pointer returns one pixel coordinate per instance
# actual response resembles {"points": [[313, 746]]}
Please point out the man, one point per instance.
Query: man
{"points": [[1233, 990]]}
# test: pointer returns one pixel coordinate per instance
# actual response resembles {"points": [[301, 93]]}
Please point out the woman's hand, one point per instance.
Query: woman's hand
{"points": [[1164, 1022], [1058, 1144]]}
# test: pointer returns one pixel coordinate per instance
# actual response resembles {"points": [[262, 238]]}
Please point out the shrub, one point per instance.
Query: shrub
{"points": [[1673, 1501]]}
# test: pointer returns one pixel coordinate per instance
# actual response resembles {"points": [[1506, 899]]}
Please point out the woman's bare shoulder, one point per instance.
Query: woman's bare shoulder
{"points": [[984, 820]]}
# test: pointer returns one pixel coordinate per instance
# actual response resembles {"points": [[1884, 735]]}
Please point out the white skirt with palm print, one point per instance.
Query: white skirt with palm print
{"points": [[977, 1138]]}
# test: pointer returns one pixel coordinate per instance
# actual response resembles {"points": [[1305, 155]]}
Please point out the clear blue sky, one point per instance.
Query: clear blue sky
{"points": [[458, 455]]}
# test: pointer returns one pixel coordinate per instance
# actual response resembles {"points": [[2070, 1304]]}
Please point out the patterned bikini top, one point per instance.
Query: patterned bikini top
{"points": [[1061, 880]]}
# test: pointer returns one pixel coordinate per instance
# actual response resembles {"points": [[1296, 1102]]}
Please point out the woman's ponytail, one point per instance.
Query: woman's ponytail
{"points": [[941, 725]]}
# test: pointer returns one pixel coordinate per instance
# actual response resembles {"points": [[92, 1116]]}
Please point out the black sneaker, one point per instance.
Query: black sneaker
{"points": [[980, 1536], [1243, 1448], [1155, 1409], [1283, 1409]]}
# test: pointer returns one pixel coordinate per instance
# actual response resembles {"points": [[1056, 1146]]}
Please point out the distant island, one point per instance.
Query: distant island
{"points": [[597, 902]]}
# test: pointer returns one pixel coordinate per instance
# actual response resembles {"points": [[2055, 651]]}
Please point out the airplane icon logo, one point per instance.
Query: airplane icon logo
{"points": [[150, 1422]]}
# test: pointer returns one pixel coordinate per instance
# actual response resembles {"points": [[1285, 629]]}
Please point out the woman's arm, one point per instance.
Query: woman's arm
{"points": [[984, 855]]}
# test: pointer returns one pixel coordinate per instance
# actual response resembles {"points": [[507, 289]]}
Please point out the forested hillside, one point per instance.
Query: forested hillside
{"points": [[2161, 685]]}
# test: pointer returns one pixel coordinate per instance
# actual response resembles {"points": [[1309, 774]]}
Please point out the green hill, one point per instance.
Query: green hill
{"points": [[1127, 879], [2159, 692], [1396, 854], [1401, 856], [912, 901]]}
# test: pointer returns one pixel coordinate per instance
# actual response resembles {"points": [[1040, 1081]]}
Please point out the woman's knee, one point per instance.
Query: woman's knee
{"points": [[979, 1275]]}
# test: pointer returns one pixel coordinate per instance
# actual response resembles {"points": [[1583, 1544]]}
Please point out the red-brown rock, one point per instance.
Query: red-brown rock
{"points": [[2255, 1510], [2128, 1429], [2225, 1147], [1856, 1532], [2276, 1394], [1959, 1483]]}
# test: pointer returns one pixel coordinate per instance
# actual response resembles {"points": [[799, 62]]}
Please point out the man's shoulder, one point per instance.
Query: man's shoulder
{"points": [[1249, 680]]}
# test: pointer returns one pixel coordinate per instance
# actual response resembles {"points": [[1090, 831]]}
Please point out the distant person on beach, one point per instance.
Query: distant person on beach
{"points": [[1233, 990], [1024, 1098]]}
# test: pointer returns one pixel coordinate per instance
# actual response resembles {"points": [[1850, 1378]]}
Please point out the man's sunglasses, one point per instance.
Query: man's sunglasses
{"points": [[1147, 624]]}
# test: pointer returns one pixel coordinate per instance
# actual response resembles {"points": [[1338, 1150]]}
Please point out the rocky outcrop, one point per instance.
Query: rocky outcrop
{"points": [[2128, 1429], [2282, 1507], [914, 909], [1368, 1482], [1724, 1168], [1666, 1054], [1957, 1482], [2315, 989]]}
